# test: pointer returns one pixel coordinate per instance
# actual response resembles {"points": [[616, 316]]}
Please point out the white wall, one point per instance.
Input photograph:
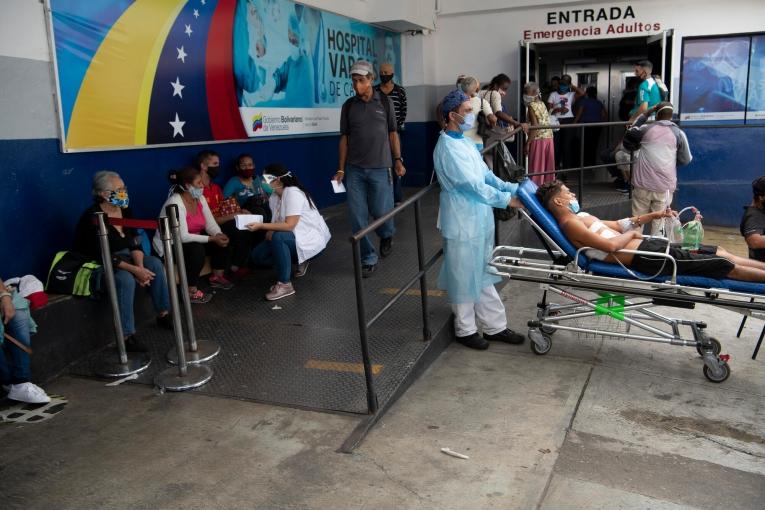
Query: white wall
{"points": [[22, 30], [487, 43]]}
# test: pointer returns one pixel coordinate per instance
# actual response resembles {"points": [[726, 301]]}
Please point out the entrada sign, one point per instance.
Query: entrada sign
{"points": [[605, 21]]}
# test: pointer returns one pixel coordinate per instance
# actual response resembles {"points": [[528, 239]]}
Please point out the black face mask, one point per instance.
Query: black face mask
{"points": [[386, 78], [212, 171]]}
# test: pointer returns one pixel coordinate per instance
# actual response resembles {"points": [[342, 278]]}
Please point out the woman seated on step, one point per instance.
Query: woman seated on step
{"points": [[606, 238], [133, 269], [200, 233], [296, 233]]}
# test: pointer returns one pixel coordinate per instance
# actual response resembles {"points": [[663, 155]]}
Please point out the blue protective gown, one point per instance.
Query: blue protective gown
{"points": [[469, 190]]}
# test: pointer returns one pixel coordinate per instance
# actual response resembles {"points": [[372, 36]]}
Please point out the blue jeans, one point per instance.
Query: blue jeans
{"points": [[126, 285], [19, 370], [398, 194], [370, 193], [279, 252]]}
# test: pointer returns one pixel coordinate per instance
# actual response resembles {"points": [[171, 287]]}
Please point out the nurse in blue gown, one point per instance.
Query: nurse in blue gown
{"points": [[469, 191]]}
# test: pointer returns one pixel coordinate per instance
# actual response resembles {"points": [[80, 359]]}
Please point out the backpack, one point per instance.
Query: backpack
{"points": [[506, 169], [663, 90], [74, 274]]}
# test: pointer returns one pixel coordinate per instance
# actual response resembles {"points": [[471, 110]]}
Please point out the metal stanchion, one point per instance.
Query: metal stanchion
{"points": [[197, 351], [185, 377], [119, 363]]}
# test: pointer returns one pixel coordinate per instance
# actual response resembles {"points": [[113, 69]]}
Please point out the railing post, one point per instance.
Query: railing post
{"points": [[121, 364], [581, 165], [426, 334], [185, 377], [629, 182], [372, 404], [197, 351]]}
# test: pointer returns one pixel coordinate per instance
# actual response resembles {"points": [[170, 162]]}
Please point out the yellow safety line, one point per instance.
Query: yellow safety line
{"points": [[338, 366], [414, 292]]}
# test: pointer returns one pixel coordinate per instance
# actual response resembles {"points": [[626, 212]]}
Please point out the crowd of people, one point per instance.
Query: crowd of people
{"points": [[291, 232]]}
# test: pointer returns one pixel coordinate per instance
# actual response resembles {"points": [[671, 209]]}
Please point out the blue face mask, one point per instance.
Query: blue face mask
{"points": [[573, 206], [119, 198], [563, 88], [468, 121], [196, 193]]}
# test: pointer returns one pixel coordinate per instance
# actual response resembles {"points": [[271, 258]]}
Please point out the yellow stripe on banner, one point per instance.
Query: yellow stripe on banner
{"points": [[337, 366], [112, 105], [413, 292]]}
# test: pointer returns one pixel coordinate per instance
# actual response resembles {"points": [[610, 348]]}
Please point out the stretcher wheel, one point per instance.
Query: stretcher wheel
{"points": [[722, 377], [540, 343], [716, 347], [547, 330]]}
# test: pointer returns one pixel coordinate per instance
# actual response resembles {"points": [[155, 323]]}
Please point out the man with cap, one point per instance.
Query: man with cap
{"points": [[753, 223], [369, 154], [469, 191], [663, 147]]}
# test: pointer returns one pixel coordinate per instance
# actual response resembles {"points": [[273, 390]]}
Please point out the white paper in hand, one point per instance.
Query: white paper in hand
{"points": [[339, 187], [242, 220]]}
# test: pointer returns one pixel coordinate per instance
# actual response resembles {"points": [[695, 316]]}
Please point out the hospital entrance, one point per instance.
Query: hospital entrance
{"points": [[607, 65]]}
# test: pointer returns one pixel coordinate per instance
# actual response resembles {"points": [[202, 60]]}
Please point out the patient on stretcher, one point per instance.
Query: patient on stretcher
{"points": [[606, 238]]}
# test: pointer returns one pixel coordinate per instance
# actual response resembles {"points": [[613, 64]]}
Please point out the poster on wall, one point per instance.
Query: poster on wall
{"points": [[755, 104], [134, 73], [714, 79]]}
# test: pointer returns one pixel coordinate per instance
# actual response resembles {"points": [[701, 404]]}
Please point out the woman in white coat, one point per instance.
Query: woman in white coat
{"points": [[297, 232]]}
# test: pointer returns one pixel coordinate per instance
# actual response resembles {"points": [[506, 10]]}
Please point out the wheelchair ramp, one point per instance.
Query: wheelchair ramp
{"points": [[304, 350]]}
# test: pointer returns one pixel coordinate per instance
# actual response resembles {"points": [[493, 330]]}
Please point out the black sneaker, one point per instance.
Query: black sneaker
{"points": [[508, 336], [165, 321], [132, 344], [386, 246], [367, 270], [474, 341]]}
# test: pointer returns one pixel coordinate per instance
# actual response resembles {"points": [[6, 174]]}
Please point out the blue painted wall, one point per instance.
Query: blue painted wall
{"points": [[43, 191], [718, 180]]}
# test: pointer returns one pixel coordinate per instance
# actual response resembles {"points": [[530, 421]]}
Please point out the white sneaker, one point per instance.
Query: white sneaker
{"points": [[29, 393], [280, 290]]}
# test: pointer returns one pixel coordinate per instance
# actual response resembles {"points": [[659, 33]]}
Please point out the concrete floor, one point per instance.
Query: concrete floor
{"points": [[592, 425]]}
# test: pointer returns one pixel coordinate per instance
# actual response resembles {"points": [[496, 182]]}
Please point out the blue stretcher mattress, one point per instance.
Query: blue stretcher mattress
{"points": [[526, 194]]}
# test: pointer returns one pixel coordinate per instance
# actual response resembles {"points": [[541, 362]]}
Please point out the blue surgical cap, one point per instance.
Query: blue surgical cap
{"points": [[452, 100]]}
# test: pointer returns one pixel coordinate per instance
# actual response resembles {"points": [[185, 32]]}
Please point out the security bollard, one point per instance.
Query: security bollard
{"points": [[197, 351], [119, 363], [185, 377]]}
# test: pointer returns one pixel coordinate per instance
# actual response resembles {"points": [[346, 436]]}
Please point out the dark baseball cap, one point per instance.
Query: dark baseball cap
{"points": [[758, 186]]}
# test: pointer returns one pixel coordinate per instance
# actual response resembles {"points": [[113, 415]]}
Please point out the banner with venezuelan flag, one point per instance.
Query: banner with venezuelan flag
{"points": [[134, 73]]}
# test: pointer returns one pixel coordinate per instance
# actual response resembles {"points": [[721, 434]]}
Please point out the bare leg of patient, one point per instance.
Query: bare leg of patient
{"points": [[740, 261], [747, 274]]}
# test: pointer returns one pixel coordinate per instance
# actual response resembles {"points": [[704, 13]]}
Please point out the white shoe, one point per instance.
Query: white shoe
{"points": [[29, 393]]}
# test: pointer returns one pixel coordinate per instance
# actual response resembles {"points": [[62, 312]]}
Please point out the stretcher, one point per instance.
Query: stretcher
{"points": [[625, 301]]}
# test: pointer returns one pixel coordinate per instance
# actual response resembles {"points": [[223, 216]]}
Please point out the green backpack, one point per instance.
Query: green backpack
{"points": [[74, 274]]}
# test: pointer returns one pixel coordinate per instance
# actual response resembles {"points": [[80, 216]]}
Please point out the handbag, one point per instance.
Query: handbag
{"points": [[484, 130], [228, 206]]}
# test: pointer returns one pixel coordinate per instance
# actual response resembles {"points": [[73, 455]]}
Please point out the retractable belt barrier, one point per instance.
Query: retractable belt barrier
{"points": [[185, 377], [119, 363], [197, 351]]}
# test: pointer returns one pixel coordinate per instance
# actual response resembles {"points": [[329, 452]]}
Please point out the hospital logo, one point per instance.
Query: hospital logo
{"points": [[257, 122]]}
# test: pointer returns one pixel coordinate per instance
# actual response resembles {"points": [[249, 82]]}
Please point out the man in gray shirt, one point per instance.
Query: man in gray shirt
{"points": [[369, 152]]}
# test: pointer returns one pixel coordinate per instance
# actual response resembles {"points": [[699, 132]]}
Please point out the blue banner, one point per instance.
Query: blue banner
{"points": [[292, 63]]}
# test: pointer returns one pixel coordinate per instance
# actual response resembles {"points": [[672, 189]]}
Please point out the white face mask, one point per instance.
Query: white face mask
{"points": [[528, 99]]}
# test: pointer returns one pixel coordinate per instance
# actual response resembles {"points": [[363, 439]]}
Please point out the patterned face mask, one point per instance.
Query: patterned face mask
{"points": [[119, 198]]}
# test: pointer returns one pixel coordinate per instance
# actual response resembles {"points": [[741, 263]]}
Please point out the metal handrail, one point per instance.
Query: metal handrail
{"points": [[423, 267]]}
